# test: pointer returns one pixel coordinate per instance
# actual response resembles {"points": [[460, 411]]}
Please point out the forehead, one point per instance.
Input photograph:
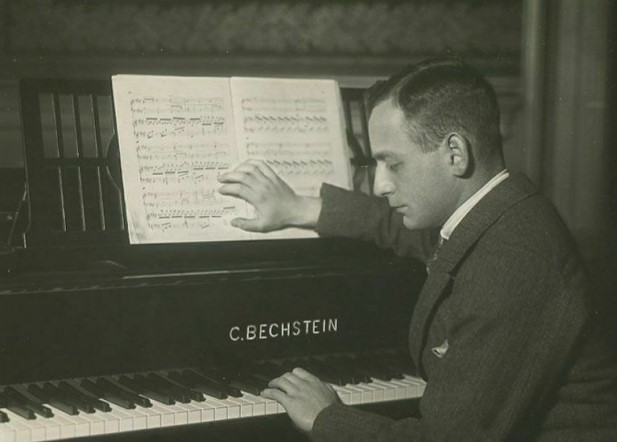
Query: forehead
{"points": [[388, 130]]}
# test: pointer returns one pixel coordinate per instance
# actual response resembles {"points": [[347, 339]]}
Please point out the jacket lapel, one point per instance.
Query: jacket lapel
{"points": [[442, 271]]}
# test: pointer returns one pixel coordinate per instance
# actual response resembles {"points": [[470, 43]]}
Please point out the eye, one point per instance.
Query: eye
{"points": [[394, 166]]}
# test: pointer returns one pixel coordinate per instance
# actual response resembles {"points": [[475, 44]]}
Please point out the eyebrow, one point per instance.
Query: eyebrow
{"points": [[385, 154]]}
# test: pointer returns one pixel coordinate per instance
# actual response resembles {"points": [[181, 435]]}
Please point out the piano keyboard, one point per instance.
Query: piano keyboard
{"points": [[120, 404]]}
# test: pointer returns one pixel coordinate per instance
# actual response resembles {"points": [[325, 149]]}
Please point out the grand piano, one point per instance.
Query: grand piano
{"points": [[103, 340]]}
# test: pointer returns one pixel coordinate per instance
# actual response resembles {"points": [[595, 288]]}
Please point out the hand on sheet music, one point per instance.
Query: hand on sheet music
{"points": [[276, 204], [302, 395]]}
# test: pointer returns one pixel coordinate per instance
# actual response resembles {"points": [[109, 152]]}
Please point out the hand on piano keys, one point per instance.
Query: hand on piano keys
{"points": [[303, 395], [72, 408]]}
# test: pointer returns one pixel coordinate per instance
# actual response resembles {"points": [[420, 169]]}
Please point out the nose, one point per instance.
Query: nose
{"points": [[382, 184]]}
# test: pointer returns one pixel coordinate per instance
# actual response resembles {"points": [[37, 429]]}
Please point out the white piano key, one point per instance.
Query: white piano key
{"points": [[403, 389], [153, 418], [140, 419], [343, 393], [207, 410], [36, 426], [193, 413], [378, 391], [125, 418], [355, 395], [41, 428], [82, 426], [22, 431], [389, 389], [420, 384], [8, 432], [67, 428], [246, 408], [167, 416], [180, 415], [271, 406], [224, 409], [259, 404], [111, 422], [52, 428], [365, 392], [97, 422]]}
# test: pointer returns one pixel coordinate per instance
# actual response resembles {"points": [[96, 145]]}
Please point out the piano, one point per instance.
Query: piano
{"points": [[107, 341]]}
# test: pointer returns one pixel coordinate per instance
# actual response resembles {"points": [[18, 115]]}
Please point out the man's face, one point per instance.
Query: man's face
{"points": [[419, 185]]}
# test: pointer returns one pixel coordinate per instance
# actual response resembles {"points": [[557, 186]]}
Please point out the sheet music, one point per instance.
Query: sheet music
{"points": [[296, 126], [177, 134]]}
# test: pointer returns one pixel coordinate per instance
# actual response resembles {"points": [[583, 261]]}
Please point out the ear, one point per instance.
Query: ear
{"points": [[458, 151]]}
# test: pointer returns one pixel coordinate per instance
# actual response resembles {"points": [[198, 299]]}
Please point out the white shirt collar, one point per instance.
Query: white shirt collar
{"points": [[466, 207]]}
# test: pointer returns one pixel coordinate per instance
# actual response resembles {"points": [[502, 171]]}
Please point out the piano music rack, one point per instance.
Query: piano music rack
{"points": [[73, 174]]}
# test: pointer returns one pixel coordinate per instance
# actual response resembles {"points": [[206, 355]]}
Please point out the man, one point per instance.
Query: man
{"points": [[505, 330]]}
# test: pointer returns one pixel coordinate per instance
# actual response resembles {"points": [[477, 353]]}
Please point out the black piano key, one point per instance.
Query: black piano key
{"points": [[328, 373], [160, 385], [249, 384], [347, 364], [93, 399], [3, 417], [379, 368], [323, 373], [37, 392], [142, 389], [21, 399], [204, 388], [107, 385], [202, 376], [108, 395], [149, 385], [59, 401], [82, 403], [268, 369], [16, 408], [189, 393]]}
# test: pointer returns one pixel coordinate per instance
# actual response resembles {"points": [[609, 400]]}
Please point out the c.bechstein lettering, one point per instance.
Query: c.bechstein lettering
{"points": [[278, 330]]}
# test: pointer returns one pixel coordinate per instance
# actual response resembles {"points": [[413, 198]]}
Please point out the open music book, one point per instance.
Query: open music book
{"points": [[177, 134]]}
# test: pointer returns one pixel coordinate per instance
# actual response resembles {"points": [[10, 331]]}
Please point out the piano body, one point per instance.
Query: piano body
{"points": [[100, 339]]}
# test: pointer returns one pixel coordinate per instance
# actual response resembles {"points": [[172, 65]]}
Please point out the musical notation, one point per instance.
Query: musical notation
{"points": [[180, 154], [261, 104], [288, 149], [177, 117], [285, 123]]}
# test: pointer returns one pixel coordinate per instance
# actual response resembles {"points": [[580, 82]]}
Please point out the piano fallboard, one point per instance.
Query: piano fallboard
{"points": [[89, 326]]}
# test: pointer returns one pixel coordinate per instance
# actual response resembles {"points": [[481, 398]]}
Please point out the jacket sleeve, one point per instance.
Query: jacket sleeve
{"points": [[510, 341], [356, 215]]}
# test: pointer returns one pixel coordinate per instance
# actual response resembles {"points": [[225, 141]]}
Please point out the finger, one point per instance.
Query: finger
{"points": [[275, 394], [264, 168], [245, 177], [303, 374], [284, 383], [258, 171], [248, 224], [241, 191]]}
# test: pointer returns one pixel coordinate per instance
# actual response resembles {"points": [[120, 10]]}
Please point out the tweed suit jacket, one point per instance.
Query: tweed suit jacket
{"points": [[509, 300]]}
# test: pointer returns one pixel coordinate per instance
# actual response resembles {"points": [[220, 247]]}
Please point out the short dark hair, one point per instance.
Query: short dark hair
{"points": [[443, 96]]}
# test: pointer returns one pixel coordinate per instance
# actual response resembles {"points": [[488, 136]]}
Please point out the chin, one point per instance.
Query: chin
{"points": [[411, 224]]}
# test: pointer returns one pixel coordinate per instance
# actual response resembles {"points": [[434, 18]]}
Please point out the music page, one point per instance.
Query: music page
{"points": [[176, 135], [296, 127]]}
